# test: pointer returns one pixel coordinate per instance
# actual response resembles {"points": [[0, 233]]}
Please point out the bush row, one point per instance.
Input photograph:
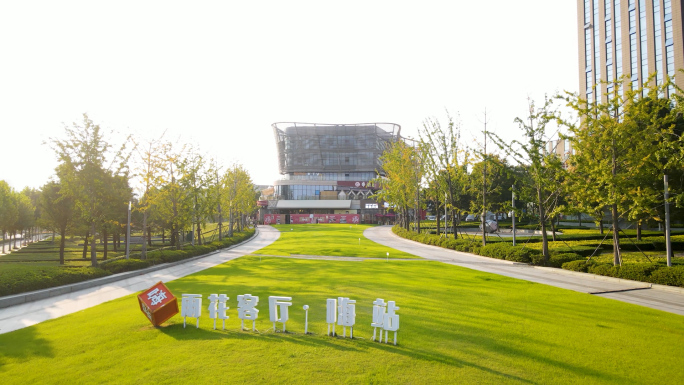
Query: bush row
{"points": [[562, 257], [645, 272], [21, 279], [166, 256], [499, 250], [32, 278]]}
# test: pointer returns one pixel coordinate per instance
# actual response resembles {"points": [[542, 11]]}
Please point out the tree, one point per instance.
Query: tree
{"points": [[87, 165], [150, 172], [8, 213], [445, 164], [404, 172], [58, 211], [610, 168], [545, 168]]}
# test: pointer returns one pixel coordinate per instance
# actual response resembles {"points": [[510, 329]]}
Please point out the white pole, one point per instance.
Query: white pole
{"points": [[306, 319], [387, 256], [128, 235]]}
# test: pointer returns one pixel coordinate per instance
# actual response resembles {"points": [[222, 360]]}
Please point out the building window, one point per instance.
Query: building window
{"points": [[657, 43], [643, 47]]}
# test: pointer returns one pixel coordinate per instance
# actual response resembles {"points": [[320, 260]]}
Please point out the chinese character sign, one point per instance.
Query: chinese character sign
{"points": [[279, 305], [247, 309], [346, 315], [331, 314], [191, 306], [378, 316], [391, 320], [217, 308], [158, 304]]}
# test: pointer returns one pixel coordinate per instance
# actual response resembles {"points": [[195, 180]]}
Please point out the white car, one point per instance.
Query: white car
{"points": [[470, 218], [431, 217], [490, 226]]}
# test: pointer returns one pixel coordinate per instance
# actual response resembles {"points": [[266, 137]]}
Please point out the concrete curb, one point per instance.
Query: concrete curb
{"points": [[31, 296], [671, 289]]}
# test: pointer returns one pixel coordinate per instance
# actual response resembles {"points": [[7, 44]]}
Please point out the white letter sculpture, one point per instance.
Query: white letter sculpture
{"points": [[191, 306], [379, 307], [247, 309], [391, 323], [217, 308], [306, 319], [275, 302], [331, 314], [346, 315]]}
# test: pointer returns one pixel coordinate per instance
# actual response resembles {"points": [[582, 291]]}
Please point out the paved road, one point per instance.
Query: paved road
{"points": [[31, 313], [637, 292]]}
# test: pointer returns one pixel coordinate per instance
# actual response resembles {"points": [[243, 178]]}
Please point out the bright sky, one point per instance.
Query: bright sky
{"points": [[218, 74]]}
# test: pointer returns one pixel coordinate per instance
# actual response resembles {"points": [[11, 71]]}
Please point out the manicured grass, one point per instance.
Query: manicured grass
{"points": [[456, 326], [330, 240]]}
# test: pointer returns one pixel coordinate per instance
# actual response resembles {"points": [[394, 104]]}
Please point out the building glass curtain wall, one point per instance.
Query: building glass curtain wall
{"points": [[638, 38], [324, 165]]}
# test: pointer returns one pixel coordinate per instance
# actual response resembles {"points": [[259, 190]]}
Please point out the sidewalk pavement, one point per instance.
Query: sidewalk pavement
{"points": [[30, 313], [666, 298]]}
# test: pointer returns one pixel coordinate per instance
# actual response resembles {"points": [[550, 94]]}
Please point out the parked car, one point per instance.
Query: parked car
{"points": [[501, 216], [431, 217], [470, 218], [490, 226]]}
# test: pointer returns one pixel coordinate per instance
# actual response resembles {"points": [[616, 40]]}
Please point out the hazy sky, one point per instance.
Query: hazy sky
{"points": [[217, 74]]}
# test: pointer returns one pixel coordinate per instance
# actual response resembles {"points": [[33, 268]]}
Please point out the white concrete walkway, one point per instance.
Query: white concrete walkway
{"points": [[31, 313], [665, 298]]}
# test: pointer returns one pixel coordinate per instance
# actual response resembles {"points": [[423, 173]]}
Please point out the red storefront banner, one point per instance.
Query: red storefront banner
{"points": [[324, 218], [274, 219], [357, 184]]}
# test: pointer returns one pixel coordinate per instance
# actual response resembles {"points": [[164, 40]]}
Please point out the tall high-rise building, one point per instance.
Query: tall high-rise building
{"points": [[635, 38]]}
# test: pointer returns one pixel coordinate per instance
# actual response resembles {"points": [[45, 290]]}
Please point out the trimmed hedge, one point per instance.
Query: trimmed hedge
{"points": [[563, 257], [166, 256], [30, 278], [21, 279]]}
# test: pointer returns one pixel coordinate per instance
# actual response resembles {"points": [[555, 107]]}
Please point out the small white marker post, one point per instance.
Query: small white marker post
{"points": [[387, 256], [359, 241], [306, 319]]}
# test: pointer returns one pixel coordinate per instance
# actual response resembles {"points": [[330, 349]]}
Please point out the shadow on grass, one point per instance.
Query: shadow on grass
{"points": [[23, 344], [177, 332]]}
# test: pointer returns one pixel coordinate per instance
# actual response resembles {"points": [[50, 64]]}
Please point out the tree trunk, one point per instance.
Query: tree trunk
{"points": [[85, 245], [455, 220], [163, 236], [553, 231], [199, 233], [149, 236], [437, 217], [230, 222], [542, 223], [579, 217], [638, 229], [104, 239], [616, 236], [143, 250], [93, 249], [62, 241]]}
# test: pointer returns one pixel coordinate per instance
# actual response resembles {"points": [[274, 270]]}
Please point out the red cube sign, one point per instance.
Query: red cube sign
{"points": [[158, 304]]}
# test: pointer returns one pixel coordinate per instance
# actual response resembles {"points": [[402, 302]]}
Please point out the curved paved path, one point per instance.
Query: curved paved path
{"points": [[31, 313], [662, 298]]}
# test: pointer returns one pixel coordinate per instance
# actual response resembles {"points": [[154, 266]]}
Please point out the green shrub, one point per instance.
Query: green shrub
{"points": [[584, 251], [636, 271], [557, 260], [673, 276], [579, 265], [29, 278], [121, 265], [603, 269]]}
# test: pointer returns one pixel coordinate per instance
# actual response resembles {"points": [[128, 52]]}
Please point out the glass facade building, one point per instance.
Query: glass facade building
{"points": [[324, 164], [634, 38]]}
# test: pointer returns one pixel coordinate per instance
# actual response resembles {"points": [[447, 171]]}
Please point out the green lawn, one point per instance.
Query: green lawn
{"points": [[457, 326], [330, 240]]}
